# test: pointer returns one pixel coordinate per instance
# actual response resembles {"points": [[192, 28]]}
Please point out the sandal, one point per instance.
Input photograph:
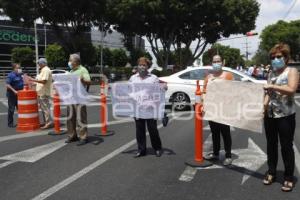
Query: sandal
{"points": [[269, 179], [287, 186]]}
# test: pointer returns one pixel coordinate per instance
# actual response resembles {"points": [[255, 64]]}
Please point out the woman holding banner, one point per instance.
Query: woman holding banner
{"points": [[218, 129], [280, 115], [143, 76]]}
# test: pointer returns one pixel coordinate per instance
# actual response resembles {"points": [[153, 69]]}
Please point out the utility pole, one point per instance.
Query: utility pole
{"points": [[36, 47]]}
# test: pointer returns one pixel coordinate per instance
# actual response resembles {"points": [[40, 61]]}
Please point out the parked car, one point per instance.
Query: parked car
{"points": [[59, 71], [182, 85]]}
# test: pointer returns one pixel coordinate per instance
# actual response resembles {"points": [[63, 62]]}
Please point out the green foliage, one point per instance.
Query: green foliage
{"points": [[286, 32], [232, 56], [23, 55], [261, 57], [135, 54], [56, 56], [180, 22], [75, 17], [119, 58]]}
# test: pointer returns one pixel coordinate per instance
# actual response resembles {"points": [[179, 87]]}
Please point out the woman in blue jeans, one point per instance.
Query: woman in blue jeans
{"points": [[280, 115]]}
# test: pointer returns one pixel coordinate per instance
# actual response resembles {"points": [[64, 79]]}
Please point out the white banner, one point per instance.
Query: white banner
{"points": [[140, 100], [70, 89], [238, 104]]}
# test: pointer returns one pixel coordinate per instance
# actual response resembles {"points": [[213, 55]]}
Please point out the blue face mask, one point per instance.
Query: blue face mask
{"points": [[278, 63], [70, 65], [216, 67]]}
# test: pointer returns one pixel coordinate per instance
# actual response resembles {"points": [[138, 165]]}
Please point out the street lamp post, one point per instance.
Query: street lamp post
{"points": [[36, 47]]}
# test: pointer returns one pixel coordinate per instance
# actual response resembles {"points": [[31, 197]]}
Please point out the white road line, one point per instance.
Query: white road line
{"points": [[190, 172], [5, 103], [297, 158], [5, 164], [110, 123], [23, 135], [49, 192]]}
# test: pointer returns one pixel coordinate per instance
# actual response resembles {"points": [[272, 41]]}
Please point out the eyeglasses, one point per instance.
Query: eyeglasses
{"points": [[278, 57]]}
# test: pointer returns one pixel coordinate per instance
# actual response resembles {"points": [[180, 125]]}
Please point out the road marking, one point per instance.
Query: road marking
{"points": [[5, 103], [251, 159], [190, 172], [23, 135], [111, 123], [5, 164], [49, 192], [297, 158], [36, 153]]}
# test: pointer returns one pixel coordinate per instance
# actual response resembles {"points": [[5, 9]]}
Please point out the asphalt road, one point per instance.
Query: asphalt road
{"points": [[39, 166]]}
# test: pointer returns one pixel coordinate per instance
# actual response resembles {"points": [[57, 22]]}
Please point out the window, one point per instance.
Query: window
{"points": [[237, 77], [198, 74]]}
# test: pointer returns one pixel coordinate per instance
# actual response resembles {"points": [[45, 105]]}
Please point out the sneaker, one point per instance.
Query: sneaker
{"points": [[212, 157], [227, 161]]}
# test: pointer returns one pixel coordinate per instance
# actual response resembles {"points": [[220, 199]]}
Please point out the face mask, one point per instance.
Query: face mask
{"points": [[142, 71], [19, 71], [70, 65], [216, 67], [278, 63]]}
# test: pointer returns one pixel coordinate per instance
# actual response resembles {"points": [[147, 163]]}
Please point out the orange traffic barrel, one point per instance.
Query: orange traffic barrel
{"points": [[28, 111]]}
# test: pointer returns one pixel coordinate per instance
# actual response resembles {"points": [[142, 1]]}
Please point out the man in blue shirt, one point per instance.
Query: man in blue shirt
{"points": [[14, 82]]}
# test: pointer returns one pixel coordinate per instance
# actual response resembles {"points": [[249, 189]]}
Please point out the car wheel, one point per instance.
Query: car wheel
{"points": [[180, 101]]}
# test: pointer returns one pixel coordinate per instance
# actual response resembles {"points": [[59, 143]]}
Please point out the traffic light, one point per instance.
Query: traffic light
{"points": [[251, 34]]}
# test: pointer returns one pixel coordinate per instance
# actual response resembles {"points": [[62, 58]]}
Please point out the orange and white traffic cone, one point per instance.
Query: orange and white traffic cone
{"points": [[103, 112], [56, 116], [198, 160]]}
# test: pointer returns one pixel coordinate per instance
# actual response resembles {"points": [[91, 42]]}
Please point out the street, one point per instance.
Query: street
{"points": [[39, 166]]}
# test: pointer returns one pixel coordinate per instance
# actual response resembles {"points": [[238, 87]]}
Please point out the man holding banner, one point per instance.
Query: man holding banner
{"points": [[76, 111]]}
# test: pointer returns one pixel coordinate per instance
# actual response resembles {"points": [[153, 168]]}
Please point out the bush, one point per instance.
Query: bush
{"points": [[119, 57], [56, 56], [23, 55]]}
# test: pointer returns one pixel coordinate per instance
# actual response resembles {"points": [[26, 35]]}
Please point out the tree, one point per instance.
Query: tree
{"points": [[56, 56], [286, 32], [75, 17], [178, 23], [107, 56], [261, 57], [231, 56], [135, 54], [119, 58], [23, 55]]}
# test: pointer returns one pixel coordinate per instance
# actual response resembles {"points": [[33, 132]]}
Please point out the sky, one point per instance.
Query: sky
{"points": [[270, 12]]}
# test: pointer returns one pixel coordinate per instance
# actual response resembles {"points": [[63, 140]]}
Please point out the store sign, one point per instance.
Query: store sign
{"points": [[16, 37]]}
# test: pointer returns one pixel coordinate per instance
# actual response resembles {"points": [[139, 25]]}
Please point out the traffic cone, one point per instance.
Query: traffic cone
{"points": [[56, 116], [28, 110], [103, 112], [198, 160]]}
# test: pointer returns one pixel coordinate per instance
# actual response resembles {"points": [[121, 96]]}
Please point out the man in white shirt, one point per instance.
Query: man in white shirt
{"points": [[44, 89]]}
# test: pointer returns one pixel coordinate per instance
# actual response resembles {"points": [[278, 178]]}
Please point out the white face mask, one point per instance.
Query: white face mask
{"points": [[19, 71], [70, 65]]}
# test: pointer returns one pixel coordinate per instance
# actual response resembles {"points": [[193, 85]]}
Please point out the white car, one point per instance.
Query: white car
{"points": [[59, 71], [182, 85]]}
